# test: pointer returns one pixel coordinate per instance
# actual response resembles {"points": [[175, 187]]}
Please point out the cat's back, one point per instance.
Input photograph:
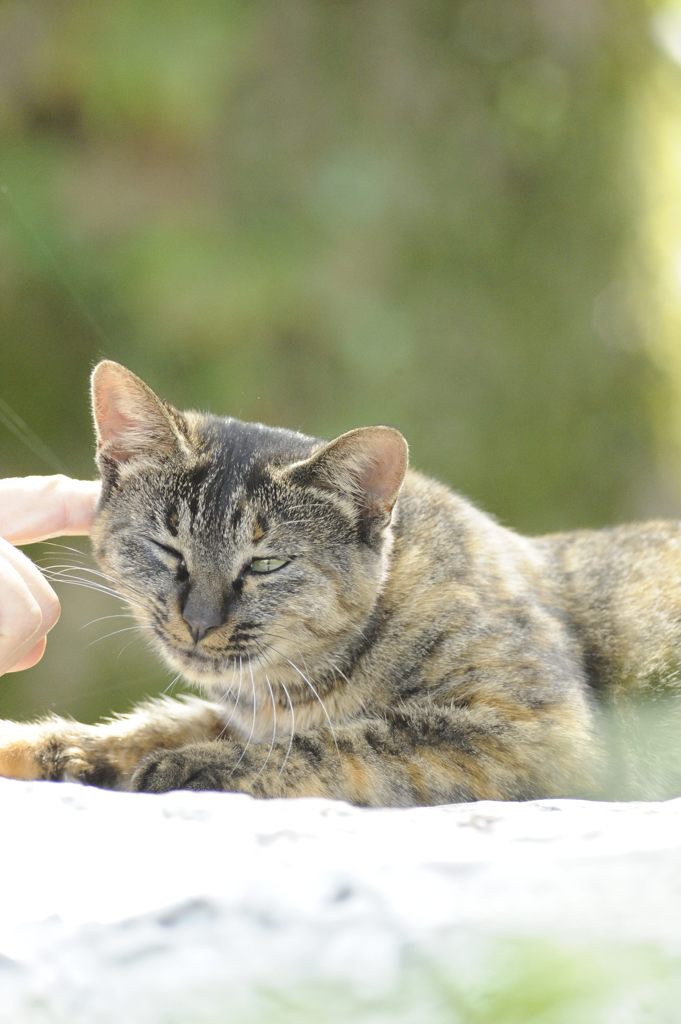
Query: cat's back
{"points": [[472, 593], [621, 589], [621, 594], [587, 620], [616, 591]]}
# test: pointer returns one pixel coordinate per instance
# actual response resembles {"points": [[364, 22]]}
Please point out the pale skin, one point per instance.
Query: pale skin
{"points": [[34, 508]]}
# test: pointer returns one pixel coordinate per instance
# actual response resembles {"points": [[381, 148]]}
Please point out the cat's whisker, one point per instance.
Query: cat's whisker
{"points": [[228, 688], [138, 636], [97, 579], [314, 692], [125, 629], [255, 706], [339, 672], [334, 667], [172, 683], [64, 547], [236, 702], [101, 618], [319, 699], [82, 567], [274, 728], [67, 570], [57, 578], [278, 636], [61, 577], [73, 564], [264, 654], [293, 727]]}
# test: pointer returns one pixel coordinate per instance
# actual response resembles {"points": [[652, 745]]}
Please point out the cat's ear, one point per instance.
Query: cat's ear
{"points": [[130, 420], [365, 465]]}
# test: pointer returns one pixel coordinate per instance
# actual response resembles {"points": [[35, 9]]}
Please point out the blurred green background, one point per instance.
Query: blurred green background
{"points": [[462, 218]]}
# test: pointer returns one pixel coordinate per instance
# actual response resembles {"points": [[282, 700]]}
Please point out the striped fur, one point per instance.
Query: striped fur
{"points": [[409, 651]]}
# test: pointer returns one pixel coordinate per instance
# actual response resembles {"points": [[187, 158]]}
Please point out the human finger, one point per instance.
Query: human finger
{"points": [[29, 608], [40, 589], [20, 617], [35, 508], [30, 659]]}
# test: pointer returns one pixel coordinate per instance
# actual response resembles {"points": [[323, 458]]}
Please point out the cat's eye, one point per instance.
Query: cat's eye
{"points": [[173, 552], [263, 565]]}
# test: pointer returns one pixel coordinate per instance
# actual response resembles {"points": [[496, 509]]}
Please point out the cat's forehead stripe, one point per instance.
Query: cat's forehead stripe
{"points": [[236, 516], [235, 460], [242, 447], [172, 520], [259, 528]]}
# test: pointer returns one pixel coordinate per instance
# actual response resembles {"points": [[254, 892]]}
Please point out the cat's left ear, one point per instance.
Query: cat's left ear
{"points": [[365, 465], [131, 422]]}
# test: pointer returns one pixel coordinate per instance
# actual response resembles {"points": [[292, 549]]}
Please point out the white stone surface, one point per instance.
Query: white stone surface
{"points": [[216, 907]]}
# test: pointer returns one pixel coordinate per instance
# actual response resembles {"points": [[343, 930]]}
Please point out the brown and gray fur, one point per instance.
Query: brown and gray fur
{"points": [[410, 650]]}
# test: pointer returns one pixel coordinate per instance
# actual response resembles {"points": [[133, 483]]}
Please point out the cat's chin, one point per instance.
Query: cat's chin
{"points": [[204, 670]]}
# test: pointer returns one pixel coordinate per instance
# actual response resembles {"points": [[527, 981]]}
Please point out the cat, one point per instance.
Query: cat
{"points": [[359, 631]]}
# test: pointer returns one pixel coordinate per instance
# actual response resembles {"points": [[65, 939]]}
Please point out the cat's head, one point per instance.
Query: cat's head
{"points": [[236, 544]]}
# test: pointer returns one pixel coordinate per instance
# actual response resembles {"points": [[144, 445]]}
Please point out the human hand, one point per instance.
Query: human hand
{"points": [[34, 508]]}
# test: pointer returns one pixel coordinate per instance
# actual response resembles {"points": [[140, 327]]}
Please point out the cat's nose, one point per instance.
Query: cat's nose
{"points": [[200, 629], [201, 617]]}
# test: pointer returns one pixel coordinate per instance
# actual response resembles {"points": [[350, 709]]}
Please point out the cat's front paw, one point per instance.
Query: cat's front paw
{"points": [[18, 752], [198, 767], [36, 750]]}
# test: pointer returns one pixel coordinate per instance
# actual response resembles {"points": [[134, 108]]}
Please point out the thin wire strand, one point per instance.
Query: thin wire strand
{"points": [[57, 266], [21, 430]]}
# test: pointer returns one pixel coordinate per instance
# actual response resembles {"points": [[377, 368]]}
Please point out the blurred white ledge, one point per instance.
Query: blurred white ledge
{"points": [[187, 907]]}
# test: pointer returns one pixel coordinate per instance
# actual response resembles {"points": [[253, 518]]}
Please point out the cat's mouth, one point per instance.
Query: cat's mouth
{"points": [[197, 662], [237, 647], [227, 657]]}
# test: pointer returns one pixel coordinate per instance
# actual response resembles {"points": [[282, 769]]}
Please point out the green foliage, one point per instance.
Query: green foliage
{"points": [[511, 981]]}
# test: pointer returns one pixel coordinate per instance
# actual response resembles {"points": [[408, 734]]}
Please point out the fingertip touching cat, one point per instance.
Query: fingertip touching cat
{"points": [[360, 632]]}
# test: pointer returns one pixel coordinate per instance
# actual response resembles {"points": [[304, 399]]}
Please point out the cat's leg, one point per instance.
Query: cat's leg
{"points": [[106, 754], [422, 756]]}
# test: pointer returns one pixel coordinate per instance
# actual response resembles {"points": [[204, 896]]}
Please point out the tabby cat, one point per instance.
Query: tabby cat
{"points": [[359, 631]]}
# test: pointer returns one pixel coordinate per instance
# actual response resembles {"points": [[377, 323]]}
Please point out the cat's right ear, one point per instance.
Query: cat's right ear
{"points": [[366, 466], [131, 422]]}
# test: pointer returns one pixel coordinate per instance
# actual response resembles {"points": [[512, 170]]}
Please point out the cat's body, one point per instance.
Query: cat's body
{"points": [[361, 633]]}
